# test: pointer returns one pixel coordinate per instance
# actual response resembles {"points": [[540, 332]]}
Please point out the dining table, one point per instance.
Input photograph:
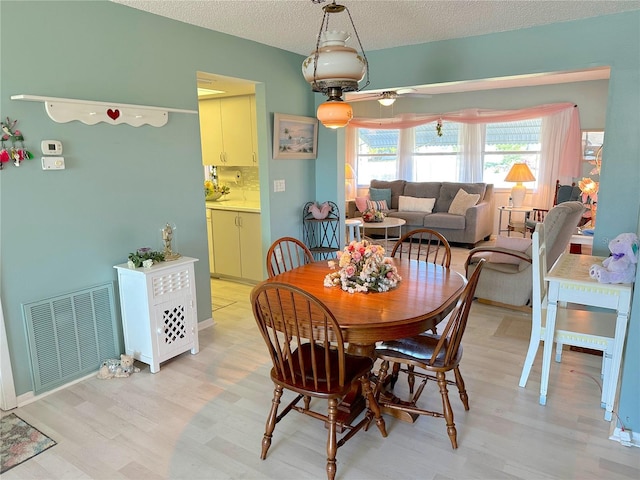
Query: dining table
{"points": [[412, 307]]}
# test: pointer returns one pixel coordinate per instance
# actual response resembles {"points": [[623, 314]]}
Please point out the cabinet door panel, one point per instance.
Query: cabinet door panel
{"points": [[226, 243], [236, 130], [210, 131], [251, 245]]}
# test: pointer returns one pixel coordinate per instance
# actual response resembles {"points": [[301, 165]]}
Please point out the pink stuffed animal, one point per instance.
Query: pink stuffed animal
{"points": [[620, 267]]}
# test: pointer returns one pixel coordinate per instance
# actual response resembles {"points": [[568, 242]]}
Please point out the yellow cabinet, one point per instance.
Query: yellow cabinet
{"points": [[227, 131], [237, 245]]}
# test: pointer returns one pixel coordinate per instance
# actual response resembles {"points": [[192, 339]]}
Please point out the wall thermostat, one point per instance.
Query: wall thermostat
{"points": [[52, 163], [51, 147]]}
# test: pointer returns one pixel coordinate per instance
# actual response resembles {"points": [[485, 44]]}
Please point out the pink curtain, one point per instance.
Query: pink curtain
{"points": [[564, 156]]}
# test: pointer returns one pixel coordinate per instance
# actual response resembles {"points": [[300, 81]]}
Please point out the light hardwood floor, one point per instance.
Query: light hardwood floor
{"points": [[202, 417]]}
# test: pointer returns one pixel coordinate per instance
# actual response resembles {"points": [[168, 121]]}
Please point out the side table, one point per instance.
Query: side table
{"points": [[509, 210], [159, 313]]}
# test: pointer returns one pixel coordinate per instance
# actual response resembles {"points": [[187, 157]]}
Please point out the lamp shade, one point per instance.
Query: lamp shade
{"points": [[334, 113], [519, 173], [349, 174], [387, 102], [349, 181]]}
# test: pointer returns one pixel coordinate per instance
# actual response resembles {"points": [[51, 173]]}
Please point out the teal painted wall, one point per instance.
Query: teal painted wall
{"points": [[553, 48], [64, 230]]}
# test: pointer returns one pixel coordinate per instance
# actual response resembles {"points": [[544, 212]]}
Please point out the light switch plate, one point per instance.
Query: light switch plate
{"points": [[53, 163]]}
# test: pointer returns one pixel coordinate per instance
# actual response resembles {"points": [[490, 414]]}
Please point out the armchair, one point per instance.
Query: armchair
{"points": [[507, 278]]}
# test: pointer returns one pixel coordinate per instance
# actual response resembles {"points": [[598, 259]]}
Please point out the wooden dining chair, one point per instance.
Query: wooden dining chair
{"points": [[429, 246], [423, 244], [436, 355], [307, 349], [287, 253]]}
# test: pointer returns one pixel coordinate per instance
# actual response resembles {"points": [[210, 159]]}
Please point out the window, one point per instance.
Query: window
{"points": [[377, 155], [509, 143], [434, 158]]}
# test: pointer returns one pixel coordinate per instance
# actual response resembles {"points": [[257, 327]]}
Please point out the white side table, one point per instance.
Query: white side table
{"points": [[569, 281], [353, 229], [509, 210], [159, 313], [386, 224]]}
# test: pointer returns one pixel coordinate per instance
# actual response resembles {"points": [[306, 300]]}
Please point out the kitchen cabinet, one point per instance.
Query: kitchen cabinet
{"points": [[237, 244], [158, 307], [228, 131], [212, 263]]}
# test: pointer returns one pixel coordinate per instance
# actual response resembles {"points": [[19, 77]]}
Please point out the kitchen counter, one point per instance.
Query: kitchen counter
{"points": [[235, 205]]}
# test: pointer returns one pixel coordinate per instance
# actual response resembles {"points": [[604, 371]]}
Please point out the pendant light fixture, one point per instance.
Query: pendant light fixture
{"points": [[333, 68]]}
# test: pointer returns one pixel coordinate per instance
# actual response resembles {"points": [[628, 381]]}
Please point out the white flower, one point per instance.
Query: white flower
{"points": [[130, 264], [147, 263]]}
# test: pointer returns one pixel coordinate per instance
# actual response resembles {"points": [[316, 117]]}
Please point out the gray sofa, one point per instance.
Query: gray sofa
{"points": [[475, 225]]}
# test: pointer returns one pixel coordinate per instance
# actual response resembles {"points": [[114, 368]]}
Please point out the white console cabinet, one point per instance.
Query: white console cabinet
{"points": [[159, 313]]}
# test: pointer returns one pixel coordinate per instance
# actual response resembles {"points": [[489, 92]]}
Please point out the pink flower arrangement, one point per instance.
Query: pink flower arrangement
{"points": [[363, 268]]}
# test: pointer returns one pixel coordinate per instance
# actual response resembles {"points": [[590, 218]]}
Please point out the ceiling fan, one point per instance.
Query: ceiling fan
{"points": [[386, 97]]}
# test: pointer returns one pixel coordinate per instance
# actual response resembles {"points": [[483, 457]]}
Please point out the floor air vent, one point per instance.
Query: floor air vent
{"points": [[71, 335]]}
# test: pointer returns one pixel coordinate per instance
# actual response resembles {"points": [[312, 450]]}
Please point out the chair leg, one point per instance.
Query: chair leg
{"points": [[332, 445], [271, 421], [461, 388], [395, 372], [446, 408], [559, 352], [373, 405], [534, 343], [411, 379]]}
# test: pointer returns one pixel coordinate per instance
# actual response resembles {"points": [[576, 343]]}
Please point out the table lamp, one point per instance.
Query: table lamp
{"points": [[519, 173], [349, 177]]}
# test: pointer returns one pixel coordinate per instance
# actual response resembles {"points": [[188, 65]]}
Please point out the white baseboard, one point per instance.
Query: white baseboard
{"points": [[616, 436]]}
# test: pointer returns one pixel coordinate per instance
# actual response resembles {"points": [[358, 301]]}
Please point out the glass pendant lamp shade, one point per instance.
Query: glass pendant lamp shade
{"points": [[336, 64], [387, 102], [334, 113]]}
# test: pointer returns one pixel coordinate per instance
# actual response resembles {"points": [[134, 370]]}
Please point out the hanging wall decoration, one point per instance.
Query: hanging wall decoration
{"points": [[17, 151]]}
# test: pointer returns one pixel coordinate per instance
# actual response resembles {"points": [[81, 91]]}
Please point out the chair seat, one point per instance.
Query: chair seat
{"points": [[327, 382], [417, 350]]}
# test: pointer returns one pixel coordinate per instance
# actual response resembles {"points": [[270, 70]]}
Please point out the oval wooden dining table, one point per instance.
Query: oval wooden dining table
{"points": [[411, 308]]}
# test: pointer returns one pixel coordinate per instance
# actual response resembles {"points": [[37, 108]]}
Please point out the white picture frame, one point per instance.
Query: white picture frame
{"points": [[294, 137]]}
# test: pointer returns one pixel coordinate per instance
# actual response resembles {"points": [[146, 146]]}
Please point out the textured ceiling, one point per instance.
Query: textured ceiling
{"points": [[293, 25]]}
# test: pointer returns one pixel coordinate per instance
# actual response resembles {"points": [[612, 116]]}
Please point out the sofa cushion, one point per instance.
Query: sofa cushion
{"points": [[379, 194], [396, 186], [415, 204], [449, 190], [422, 189], [361, 203], [377, 205], [413, 219], [444, 221], [462, 201]]}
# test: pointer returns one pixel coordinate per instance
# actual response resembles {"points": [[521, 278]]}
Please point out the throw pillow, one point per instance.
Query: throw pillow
{"points": [[511, 243], [380, 194], [462, 201], [361, 203], [377, 205], [415, 204]]}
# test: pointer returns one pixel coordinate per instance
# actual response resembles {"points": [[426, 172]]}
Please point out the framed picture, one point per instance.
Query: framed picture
{"points": [[294, 137]]}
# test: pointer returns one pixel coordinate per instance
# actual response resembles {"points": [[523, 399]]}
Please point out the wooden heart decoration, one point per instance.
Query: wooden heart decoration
{"points": [[113, 114]]}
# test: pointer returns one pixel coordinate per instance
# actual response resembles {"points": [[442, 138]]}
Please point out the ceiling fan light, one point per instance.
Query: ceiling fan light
{"points": [[334, 113], [387, 102]]}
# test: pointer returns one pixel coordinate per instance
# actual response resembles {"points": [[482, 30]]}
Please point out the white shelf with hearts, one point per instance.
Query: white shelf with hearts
{"points": [[63, 110]]}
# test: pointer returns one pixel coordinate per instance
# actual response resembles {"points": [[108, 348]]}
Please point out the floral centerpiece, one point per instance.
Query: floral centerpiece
{"points": [[372, 216], [213, 191], [363, 268], [144, 257]]}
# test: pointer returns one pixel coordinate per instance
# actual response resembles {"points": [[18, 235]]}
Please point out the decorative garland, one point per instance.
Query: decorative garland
{"points": [[18, 152]]}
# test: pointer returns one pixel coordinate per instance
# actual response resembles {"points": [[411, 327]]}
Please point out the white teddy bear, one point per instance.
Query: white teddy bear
{"points": [[620, 267], [117, 368]]}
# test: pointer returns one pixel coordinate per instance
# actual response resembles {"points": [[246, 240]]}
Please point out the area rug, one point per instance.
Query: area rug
{"points": [[19, 442]]}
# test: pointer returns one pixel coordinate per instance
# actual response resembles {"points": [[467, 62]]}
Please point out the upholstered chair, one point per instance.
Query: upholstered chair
{"points": [[507, 276]]}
